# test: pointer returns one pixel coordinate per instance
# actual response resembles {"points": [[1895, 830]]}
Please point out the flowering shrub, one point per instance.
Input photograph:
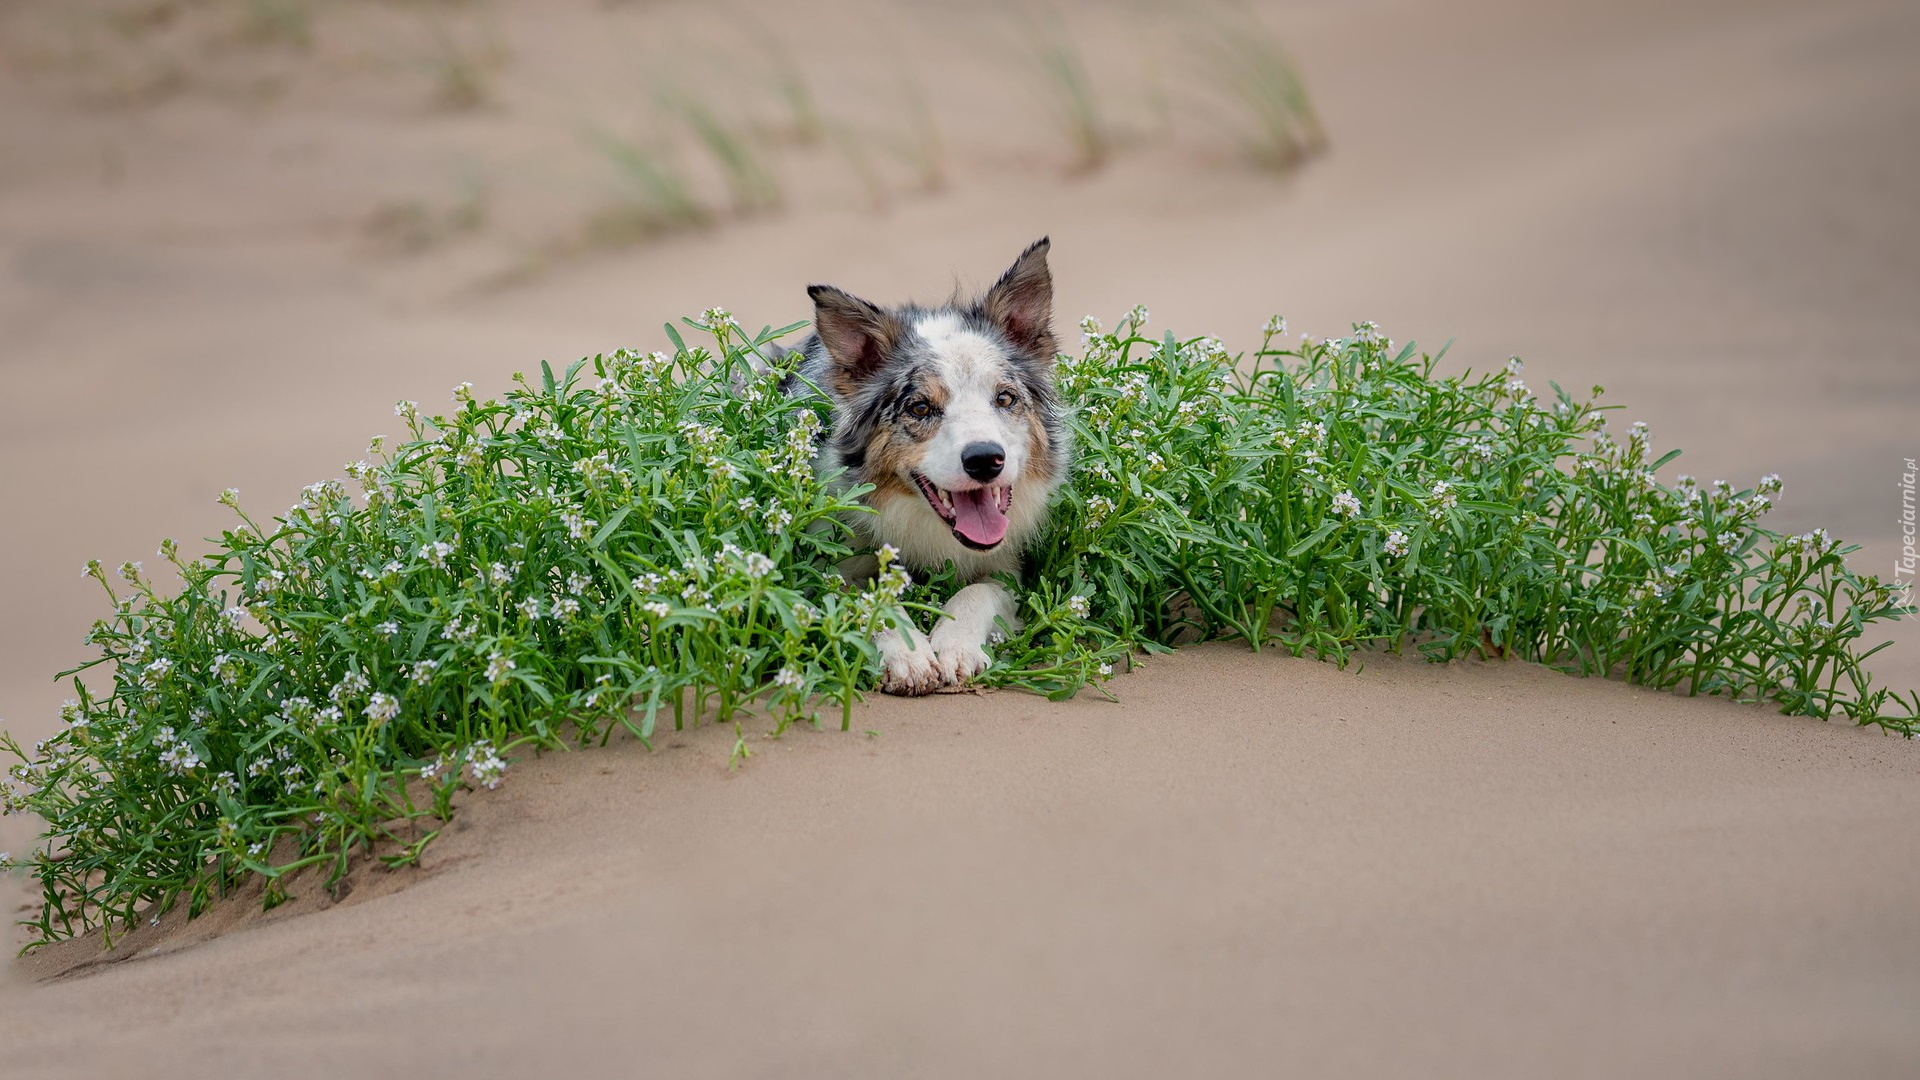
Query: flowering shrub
{"points": [[573, 560]]}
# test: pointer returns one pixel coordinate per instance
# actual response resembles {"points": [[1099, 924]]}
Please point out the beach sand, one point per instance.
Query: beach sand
{"points": [[1250, 863]]}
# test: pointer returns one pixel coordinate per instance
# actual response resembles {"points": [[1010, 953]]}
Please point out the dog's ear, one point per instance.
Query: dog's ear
{"points": [[1021, 303], [858, 335]]}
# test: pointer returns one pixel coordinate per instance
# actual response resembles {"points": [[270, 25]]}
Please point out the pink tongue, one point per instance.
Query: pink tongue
{"points": [[978, 517]]}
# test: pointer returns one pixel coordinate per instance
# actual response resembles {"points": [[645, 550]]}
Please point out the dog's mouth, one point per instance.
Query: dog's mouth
{"points": [[977, 516]]}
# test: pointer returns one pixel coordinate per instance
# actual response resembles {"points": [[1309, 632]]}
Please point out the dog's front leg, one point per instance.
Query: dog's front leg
{"points": [[906, 660], [960, 638]]}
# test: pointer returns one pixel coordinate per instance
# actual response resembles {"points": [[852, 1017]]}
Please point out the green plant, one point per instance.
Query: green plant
{"points": [[543, 570]]}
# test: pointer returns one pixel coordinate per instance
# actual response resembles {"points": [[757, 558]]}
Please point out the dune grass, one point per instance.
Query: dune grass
{"points": [[750, 180], [287, 23], [1066, 86], [642, 537], [655, 199], [463, 65], [1249, 68]]}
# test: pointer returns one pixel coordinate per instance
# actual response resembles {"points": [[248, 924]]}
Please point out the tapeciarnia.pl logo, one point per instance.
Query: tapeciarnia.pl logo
{"points": [[1903, 567]]}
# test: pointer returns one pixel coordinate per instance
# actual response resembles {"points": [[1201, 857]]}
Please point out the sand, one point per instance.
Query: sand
{"points": [[1250, 863]]}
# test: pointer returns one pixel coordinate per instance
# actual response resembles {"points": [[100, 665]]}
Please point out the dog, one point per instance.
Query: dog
{"points": [[950, 413]]}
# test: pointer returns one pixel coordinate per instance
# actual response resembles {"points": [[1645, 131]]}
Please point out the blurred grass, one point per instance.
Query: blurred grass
{"points": [[286, 23], [1246, 63], [1065, 85], [755, 116], [463, 64], [752, 182], [656, 198]]}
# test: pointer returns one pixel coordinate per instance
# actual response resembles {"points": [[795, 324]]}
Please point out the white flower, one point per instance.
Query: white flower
{"points": [[159, 668], [578, 524], [422, 671], [498, 665], [500, 575], [656, 608], [565, 607], [179, 759], [1137, 315], [226, 784], [351, 685], [436, 553], [6, 860], [407, 410], [788, 678], [382, 707], [229, 497], [1769, 484], [1089, 328], [758, 566], [1099, 508], [1106, 670], [1514, 365], [463, 392], [485, 765], [530, 607], [1276, 326], [1396, 544], [1080, 606], [388, 628], [1345, 504], [717, 316]]}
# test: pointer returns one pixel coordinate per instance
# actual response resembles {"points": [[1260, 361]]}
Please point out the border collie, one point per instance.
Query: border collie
{"points": [[950, 413]]}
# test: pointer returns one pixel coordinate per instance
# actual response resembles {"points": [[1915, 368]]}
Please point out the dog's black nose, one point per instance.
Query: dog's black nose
{"points": [[983, 460]]}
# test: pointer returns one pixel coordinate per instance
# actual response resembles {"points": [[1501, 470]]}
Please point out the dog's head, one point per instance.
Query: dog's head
{"points": [[950, 412]]}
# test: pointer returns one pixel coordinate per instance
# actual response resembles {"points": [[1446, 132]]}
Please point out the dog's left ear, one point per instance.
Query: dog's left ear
{"points": [[1021, 303]]}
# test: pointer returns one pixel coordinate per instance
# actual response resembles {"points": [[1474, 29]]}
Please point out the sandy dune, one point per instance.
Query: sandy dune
{"points": [[1249, 861]]}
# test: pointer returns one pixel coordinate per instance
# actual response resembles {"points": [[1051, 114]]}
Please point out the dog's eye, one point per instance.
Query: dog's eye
{"points": [[1006, 399], [920, 409]]}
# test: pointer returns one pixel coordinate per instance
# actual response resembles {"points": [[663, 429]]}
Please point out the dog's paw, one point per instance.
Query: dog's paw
{"points": [[908, 670], [958, 659]]}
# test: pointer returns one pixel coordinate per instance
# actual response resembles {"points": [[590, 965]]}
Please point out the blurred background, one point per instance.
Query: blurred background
{"points": [[234, 232]]}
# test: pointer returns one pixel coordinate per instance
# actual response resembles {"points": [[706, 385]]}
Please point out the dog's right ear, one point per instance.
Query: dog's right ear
{"points": [[858, 335]]}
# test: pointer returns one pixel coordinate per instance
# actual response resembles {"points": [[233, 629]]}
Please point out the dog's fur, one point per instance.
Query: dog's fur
{"points": [[917, 394]]}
